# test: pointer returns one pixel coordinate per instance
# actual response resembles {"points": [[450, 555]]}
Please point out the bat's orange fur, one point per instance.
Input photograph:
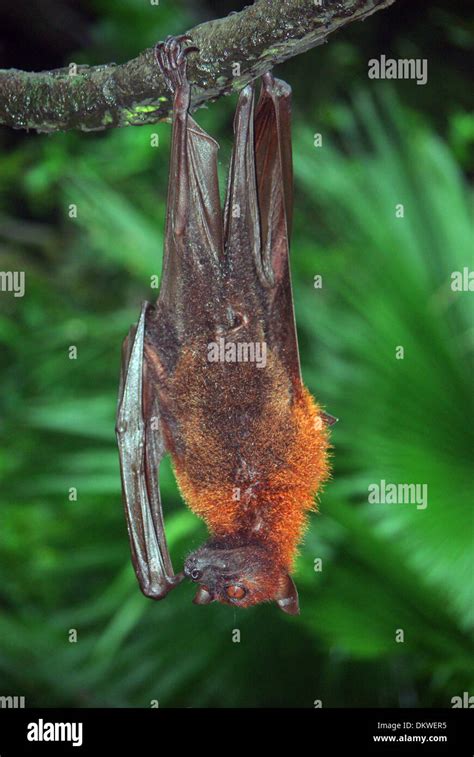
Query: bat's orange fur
{"points": [[256, 451]]}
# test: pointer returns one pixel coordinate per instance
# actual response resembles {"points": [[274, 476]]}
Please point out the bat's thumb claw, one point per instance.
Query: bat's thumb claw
{"points": [[177, 578], [329, 419]]}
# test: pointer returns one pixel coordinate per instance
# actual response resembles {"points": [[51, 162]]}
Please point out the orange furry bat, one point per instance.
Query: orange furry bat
{"points": [[211, 373]]}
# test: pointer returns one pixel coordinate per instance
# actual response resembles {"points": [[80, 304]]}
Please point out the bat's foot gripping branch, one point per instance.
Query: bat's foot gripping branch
{"points": [[170, 56]]}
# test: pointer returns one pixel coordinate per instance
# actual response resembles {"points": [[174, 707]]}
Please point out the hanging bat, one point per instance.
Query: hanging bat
{"points": [[211, 372]]}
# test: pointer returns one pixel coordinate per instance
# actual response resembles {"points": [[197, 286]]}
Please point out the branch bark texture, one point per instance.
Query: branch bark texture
{"points": [[232, 51]]}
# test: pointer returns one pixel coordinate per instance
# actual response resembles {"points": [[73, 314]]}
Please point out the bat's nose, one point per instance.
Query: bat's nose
{"points": [[191, 569]]}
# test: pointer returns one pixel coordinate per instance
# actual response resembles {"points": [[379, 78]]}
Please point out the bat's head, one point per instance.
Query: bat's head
{"points": [[241, 576]]}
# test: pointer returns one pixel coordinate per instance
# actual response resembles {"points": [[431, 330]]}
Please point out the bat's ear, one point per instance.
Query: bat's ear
{"points": [[287, 597], [203, 597]]}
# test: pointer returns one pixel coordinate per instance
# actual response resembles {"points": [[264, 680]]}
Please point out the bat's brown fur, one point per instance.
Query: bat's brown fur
{"points": [[255, 451]]}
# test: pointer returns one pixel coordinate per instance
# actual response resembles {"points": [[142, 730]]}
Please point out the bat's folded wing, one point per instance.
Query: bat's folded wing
{"points": [[141, 447], [261, 189]]}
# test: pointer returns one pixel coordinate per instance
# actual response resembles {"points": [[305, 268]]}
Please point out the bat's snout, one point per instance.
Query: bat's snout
{"points": [[194, 568], [197, 569], [240, 576]]}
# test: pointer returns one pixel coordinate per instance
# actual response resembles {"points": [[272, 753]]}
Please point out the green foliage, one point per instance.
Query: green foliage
{"points": [[386, 283]]}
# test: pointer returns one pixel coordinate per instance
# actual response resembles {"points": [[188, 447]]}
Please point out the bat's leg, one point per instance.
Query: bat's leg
{"points": [[141, 447], [190, 287]]}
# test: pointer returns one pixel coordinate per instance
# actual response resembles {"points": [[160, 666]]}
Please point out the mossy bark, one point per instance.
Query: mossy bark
{"points": [[232, 51]]}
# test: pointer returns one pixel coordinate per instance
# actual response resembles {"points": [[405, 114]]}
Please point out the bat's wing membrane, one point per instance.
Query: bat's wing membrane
{"points": [[274, 171], [260, 187], [141, 447]]}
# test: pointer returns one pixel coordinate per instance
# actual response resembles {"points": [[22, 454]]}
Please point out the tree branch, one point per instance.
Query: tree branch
{"points": [[133, 93]]}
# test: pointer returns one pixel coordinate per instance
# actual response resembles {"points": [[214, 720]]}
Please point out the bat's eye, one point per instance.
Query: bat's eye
{"points": [[235, 592], [196, 574]]}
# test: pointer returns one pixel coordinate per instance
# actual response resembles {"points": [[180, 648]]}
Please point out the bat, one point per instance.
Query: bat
{"points": [[211, 372]]}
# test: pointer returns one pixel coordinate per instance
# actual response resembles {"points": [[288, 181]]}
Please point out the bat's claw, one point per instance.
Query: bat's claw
{"points": [[177, 578], [329, 419], [159, 589], [170, 56]]}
